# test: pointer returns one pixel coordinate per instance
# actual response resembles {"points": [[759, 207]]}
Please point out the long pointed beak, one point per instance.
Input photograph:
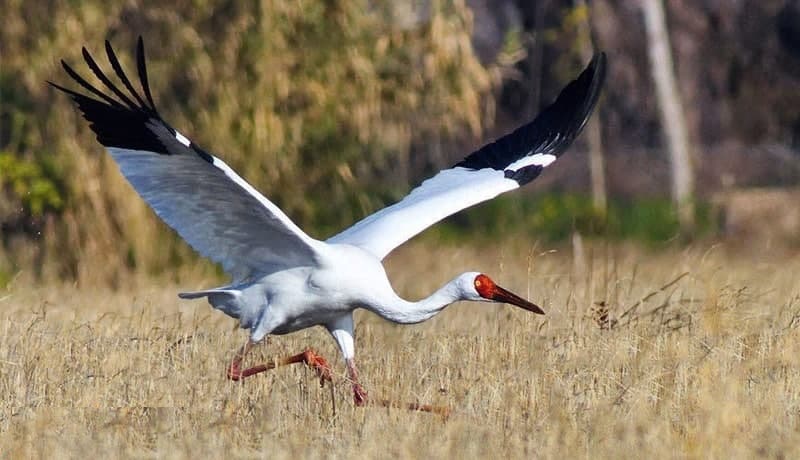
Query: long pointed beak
{"points": [[501, 295]]}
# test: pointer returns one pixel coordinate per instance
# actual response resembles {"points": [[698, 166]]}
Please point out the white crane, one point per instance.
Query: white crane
{"points": [[282, 279]]}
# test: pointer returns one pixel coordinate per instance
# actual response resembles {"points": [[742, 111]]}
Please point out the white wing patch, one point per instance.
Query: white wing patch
{"points": [[438, 197], [182, 139], [540, 159]]}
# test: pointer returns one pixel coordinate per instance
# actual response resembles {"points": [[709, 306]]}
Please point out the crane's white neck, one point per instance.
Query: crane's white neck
{"points": [[402, 311]]}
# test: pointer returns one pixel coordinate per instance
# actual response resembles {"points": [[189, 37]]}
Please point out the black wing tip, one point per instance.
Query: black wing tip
{"points": [[579, 97], [588, 92], [139, 104], [67, 67], [58, 87], [133, 123], [120, 121], [141, 66], [599, 59], [551, 132], [569, 113], [597, 68]]}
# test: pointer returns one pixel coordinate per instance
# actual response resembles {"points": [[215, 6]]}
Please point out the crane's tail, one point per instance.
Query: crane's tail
{"points": [[226, 299], [208, 293]]}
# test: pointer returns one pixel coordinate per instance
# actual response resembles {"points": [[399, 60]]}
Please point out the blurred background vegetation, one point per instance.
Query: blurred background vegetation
{"points": [[336, 108]]}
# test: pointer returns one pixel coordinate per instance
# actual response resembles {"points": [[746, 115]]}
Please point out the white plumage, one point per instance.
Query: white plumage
{"points": [[438, 197], [283, 279]]}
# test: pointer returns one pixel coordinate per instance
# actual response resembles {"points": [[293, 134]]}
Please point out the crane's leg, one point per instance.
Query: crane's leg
{"points": [[361, 398], [359, 394], [309, 357], [342, 329]]}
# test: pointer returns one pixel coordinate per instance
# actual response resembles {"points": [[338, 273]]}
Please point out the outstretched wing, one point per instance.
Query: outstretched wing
{"points": [[508, 163], [217, 212]]}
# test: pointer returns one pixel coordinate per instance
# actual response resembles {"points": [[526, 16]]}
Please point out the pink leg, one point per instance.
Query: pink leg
{"points": [[360, 396], [309, 357]]}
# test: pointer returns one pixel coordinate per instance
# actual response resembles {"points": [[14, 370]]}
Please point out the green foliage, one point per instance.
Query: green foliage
{"points": [[34, 185], [554, 217], [6, 276], [572, 35], [29, 184]]}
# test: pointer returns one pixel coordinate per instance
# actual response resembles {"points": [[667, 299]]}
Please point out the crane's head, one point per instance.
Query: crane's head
{"points": [[477, 286]]}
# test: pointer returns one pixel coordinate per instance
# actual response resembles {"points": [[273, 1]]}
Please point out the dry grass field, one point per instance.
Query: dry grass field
{"points": [[676, 353]]}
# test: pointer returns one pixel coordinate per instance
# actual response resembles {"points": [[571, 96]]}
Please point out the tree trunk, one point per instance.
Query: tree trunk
{"points": [[597, 166], [672, 115], [594, 136]]}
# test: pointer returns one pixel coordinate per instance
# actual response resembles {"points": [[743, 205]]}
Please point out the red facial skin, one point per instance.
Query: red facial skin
{"points": [[485, 286], [489, 290]]}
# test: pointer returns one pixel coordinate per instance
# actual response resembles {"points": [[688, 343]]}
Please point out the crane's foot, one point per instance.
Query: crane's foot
{"points": [[309, 357], [361, 399], [360, 396]]}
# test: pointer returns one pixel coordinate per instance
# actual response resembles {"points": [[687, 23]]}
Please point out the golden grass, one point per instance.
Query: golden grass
{"points": [[703, 365]]}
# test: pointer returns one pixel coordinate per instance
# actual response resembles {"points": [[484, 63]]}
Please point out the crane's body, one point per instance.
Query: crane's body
{"points": [[331, 287], [283, 280]]}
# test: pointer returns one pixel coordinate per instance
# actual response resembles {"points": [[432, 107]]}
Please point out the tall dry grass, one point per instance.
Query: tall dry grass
{"points": [[674, 354]]}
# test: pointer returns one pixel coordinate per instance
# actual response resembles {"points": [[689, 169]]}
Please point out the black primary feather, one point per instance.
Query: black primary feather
{"points": [[142, 68], [132, 123], [102, 76], [551, 132], [112, 58], [75, 76]]}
